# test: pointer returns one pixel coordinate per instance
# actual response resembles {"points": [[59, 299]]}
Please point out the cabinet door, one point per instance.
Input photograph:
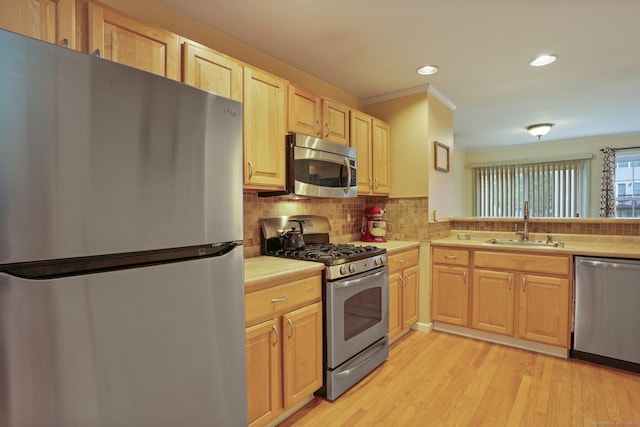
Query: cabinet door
{"points": [[395, 311], [263, 371], [410, 297], [51, 21], [302, 362], [450, 295], [209, 70], [335, 122], [130, 42], [492, 308], [544, 309], [264, 130], [380, 158], [361, 139], [304, 113]]}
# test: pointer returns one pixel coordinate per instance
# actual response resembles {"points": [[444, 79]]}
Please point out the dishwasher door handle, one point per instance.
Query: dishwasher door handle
{"points": [[602, 264]]}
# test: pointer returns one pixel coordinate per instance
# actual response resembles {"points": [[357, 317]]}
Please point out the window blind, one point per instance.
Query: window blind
{"points": [[553, 189]]}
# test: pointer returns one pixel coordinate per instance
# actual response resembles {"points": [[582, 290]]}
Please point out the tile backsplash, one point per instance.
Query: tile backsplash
{"points": [[345, 215], [592, 226], [407, 219]]}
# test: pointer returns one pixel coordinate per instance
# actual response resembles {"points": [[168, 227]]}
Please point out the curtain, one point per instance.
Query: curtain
{"points": [[553, 189], [607, 194]]}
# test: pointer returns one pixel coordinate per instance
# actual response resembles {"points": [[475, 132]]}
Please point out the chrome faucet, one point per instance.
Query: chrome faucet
{"points": [[525, 233]]}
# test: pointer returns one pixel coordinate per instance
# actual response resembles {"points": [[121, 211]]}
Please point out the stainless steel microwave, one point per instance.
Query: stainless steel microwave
{"points": [[317, 168]]}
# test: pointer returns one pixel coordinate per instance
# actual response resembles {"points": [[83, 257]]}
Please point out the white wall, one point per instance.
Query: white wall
{"points": [[546, 151]]}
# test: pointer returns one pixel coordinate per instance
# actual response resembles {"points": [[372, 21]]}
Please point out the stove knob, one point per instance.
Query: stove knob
{"points": [[343, 270], [384, 259], [352, 268], [378, 261]]}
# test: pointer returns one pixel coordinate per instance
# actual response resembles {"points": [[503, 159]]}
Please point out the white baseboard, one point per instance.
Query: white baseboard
{"points": [[423, 327], [551, 350]]}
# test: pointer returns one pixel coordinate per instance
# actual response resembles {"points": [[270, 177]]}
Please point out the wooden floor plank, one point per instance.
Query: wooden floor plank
{"points": [[438, 379]]}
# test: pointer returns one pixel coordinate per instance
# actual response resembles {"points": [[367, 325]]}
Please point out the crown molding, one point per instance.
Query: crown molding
{"points": [[440, 96], [429, 89]]}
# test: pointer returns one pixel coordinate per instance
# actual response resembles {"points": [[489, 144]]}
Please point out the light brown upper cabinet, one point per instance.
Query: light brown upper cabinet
{"points": [[313, 115], [209, 70], [370, 138], [51, 21], [264, 130], [125, 40]]}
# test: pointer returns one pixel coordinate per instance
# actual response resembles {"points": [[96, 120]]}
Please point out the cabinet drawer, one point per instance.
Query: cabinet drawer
{"points": [[270, 302], [402, 260], [548, 264], [451, 256]]}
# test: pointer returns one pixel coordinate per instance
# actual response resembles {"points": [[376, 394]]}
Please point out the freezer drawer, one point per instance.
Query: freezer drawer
{"points": [[146, 347], [607, 318]]}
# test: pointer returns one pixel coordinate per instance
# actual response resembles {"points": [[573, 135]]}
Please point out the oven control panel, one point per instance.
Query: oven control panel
{"points": [[350, 268]]}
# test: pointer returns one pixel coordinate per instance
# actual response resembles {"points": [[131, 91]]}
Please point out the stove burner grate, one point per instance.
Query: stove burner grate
{"points": [[329, 253]]}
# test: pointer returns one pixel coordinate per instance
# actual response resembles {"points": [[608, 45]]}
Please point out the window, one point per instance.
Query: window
{"points": [[628, 185], [622, 189], [553, 189]]}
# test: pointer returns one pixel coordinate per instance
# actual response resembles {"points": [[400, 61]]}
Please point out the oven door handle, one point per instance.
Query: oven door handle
{"points": [[346, 283], [346, 372]]}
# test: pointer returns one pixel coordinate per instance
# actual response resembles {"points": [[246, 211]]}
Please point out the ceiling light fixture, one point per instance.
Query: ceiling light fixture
{"points": [[539, 129], [543, 60], [426, 70]]}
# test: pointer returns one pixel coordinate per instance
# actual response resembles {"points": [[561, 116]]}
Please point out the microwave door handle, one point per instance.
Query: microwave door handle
{"points": [[346, 188]]}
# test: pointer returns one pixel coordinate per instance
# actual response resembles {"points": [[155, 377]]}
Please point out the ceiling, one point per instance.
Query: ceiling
{"points": [[372, 48]]}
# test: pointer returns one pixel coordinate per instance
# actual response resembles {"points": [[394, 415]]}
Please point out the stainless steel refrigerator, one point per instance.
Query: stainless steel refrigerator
{"points": [[121, 269]]}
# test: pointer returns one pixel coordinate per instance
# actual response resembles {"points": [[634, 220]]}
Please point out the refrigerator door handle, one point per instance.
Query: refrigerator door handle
{"points": [[56, 268]]}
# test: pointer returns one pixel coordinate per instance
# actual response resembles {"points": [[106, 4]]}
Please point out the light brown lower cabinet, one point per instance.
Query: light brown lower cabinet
{"points": [[493, 301], [284, 351], [403, 290], [544, 307], [521, 295], [450, 286]]}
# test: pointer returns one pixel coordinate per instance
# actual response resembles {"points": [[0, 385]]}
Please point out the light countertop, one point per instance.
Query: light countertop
{"points": [[393, 245], [574, 244], [260, 271]]}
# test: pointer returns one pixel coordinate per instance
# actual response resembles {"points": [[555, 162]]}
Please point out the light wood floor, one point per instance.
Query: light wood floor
{"points": [[437, 379]]}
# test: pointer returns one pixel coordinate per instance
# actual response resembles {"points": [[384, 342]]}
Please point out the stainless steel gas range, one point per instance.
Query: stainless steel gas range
{"points": [[355, 297]]}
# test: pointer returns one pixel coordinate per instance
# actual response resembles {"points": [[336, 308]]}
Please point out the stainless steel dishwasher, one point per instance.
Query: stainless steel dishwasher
{"points": [[607, 312]]}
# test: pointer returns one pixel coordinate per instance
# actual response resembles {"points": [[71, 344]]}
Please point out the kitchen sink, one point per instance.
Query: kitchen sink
{"points": [[513, 242]]}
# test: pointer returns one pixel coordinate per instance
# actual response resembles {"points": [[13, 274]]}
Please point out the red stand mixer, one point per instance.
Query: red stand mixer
{"points": [[375, 228]]}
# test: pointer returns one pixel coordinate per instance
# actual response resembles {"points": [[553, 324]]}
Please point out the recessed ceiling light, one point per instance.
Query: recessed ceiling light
{"points": [[425, 70], [543, 60]]}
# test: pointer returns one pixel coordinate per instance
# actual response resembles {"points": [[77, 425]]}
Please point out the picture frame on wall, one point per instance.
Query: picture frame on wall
{"points": [[441, 156]]}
